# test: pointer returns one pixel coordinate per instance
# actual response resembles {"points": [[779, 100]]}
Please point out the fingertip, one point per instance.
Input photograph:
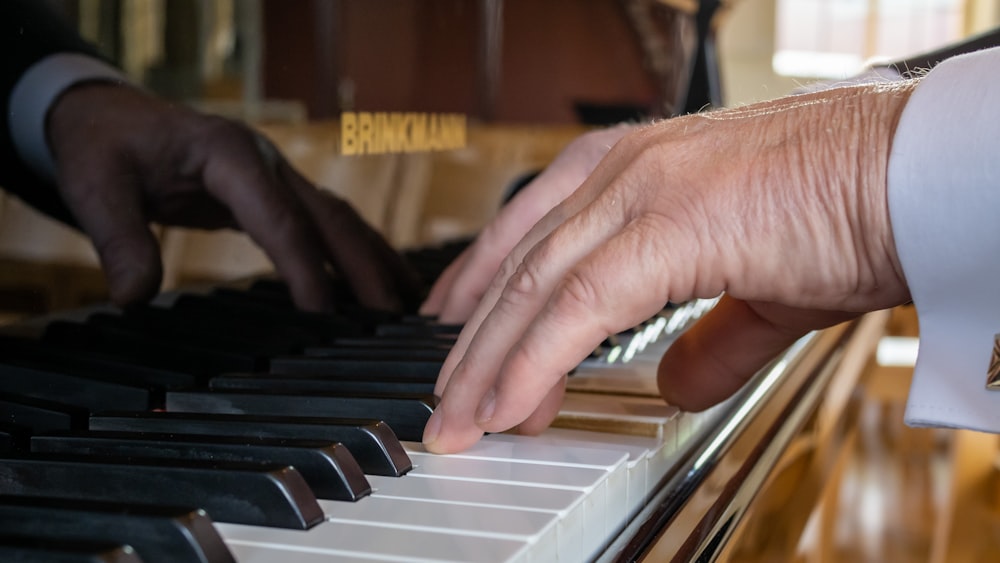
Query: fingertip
{"points": [[440, 438], [133, 269], [441, 289], [432, 429], [312, 293], [457, 311]]}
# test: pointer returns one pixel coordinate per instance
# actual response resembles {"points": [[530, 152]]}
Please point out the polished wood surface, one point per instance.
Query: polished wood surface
{"points": [[893, 493]]}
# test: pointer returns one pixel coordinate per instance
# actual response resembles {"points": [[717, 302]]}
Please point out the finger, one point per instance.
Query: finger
{"points": [[513, 361], [517, 218], [273, 216], [525, 285], [546, 411], [443, 285], [470, 373], [108, 205], [376, 273], [717, 356], [472, 278], [619, 285], [576, 245]]}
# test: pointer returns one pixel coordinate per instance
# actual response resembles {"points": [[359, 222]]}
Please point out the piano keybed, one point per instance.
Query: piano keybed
{"points": [[225, 426]]}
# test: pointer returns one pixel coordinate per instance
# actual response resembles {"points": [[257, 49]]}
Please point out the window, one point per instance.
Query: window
{"points": [[837, 38]]}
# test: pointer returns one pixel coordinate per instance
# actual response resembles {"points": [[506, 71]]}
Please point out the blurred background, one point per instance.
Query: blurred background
{"points": [[529, 75]]}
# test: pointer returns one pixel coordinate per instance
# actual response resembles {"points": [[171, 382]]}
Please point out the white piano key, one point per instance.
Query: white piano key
{"points": [[636, 464], [567, 505], [338, 542], [654, 448], [421, 514], [526, 449], [495, 471], [591, 482], [456, 491]]}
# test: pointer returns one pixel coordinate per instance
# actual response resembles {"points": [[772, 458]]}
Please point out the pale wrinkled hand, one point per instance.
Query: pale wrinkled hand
{"points": [[462, 285], [781, 206], [126, 158]]}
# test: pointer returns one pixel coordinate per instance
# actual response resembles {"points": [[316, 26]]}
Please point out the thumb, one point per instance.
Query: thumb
{"points": [[713, 359], [109, 208]]}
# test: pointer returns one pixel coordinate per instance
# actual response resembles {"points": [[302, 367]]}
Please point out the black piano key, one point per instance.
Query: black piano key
{"points": [[406, 415], [346, 307], [241, 493], [13, 437], [318, 384], [271, 340], [39, 415], [8, 441], [371, 442], [378, 354], [148, 351], [91, 391], [355, 367], [84, 361], [192, 337], [18, 549], [401, 342], [277, 291], [321, 326], [329, 468], [417, 330], [158, 534]]}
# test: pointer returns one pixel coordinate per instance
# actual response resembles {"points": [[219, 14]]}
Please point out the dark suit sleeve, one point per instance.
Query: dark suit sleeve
{"points": [[30, 33]]}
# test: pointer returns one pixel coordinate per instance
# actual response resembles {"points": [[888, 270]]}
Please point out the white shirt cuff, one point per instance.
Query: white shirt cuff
{"points": [[944, 201], [36, 91]]}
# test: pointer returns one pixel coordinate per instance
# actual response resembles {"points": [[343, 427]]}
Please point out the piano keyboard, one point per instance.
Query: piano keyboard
{"points": [[224, 426]]}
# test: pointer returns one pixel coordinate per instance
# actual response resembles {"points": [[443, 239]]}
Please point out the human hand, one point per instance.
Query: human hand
{"points": [[462, 284], [126, 158], [781, 206]]}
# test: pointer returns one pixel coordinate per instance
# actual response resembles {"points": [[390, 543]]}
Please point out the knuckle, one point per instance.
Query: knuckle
{"points": [[507, 269], [522, 285], [577, 295]]}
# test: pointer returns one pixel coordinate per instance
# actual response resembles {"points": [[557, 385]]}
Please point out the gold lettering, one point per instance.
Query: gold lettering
{"points": [[394, 133], [364, 132], [400, 132], [348, 133], [453, 129], [378, 133], [434, 133]]}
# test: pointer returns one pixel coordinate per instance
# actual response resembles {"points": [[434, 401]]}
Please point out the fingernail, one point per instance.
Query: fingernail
{"points": [[484, 413], [432, 428]]}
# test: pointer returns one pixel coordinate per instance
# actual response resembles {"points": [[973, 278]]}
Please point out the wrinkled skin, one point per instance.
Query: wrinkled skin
{"points": [[781, 206]]}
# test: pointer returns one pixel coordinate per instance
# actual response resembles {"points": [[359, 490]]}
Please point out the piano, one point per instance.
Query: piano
{"points": [[221, 425]]}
